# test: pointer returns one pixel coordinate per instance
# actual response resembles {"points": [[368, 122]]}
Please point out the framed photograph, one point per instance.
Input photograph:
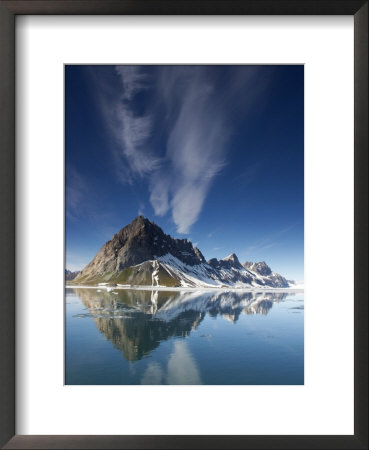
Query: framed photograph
{"points": [[182, 145], [184, 224]]}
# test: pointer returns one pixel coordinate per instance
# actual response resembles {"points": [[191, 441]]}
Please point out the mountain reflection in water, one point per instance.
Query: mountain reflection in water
{"points": [[136, 321]]}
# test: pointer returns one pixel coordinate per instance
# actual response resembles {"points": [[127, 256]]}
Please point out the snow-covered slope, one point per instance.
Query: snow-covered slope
{"points": [[141, 254], [232, 274], [169, 271]]}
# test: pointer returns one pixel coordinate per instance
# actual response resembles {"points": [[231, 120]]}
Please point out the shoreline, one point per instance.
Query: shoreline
{"points": [[108, 288]]}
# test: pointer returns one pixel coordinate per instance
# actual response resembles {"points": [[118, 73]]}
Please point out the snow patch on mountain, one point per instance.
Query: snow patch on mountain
{"points": [[205, 275]]}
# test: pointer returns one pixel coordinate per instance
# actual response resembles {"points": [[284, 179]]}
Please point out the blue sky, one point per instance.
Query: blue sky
{"points": [[211, 153]]}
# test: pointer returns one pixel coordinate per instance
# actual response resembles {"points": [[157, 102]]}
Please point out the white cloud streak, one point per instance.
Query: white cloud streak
{"points": [[197, 126], [195, 148], [130, 131]]}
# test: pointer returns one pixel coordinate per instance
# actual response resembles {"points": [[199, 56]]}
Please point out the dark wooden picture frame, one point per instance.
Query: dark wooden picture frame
{"points": [[8, 12]]}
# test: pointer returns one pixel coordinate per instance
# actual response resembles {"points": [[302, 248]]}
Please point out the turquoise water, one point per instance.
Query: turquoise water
{"points": [[130, 336]]}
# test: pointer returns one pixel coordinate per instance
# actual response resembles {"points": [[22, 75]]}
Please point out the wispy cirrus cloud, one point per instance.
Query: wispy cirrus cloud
{"points": [[195, 149], [194, 113], [130, 131], [75, 193]]}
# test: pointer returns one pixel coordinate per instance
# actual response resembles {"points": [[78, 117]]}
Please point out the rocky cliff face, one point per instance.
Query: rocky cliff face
{"points": [[142, 254], [260, 267], [226, 263], [136, 243], [69, 275]]}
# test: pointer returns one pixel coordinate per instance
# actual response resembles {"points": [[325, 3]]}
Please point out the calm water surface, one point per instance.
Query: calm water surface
{"points": [[194, 337]]}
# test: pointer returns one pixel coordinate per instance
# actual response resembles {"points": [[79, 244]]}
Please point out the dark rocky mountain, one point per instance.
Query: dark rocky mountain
{"points": [[226, 263], [136, 243], [142, 254], [69, 275], [261, 268]]}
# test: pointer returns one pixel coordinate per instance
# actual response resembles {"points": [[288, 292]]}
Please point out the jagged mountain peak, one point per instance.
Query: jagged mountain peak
{"points": [[142, 254], [261, 267], [139, 224], [139, 241], [230, 261], [232, 257], [199, 254], [69, 275]]}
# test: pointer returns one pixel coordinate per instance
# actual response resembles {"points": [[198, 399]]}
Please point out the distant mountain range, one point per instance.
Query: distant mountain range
{"points": [[141, 254], [69, 275]]}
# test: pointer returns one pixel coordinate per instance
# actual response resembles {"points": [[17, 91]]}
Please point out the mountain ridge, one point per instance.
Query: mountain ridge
{"points": [[142, 254], [69, 275]]}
